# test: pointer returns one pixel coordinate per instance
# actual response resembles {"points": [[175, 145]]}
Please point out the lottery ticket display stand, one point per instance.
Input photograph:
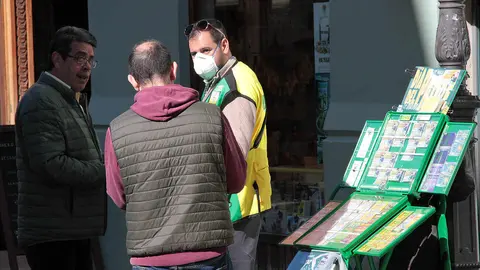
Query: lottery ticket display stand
{"points": [[415, 151]]}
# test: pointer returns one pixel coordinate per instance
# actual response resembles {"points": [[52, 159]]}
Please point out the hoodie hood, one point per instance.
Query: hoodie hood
{"points": [[162, 103]]}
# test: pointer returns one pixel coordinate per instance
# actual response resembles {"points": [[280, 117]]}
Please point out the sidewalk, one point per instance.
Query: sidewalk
{"points": [[22, 262]]}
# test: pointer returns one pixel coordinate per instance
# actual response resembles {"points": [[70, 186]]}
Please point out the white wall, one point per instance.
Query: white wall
{"points": [[372, 43], [118, 25]]}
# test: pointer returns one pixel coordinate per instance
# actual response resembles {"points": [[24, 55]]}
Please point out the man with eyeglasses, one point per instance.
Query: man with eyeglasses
{"points": [[61, 176], [234, 87]]}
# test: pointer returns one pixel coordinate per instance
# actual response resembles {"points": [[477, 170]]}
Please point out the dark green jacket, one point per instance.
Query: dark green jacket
{"points": [[61, 177]]}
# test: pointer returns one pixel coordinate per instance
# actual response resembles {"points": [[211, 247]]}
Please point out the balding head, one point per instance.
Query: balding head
{"points": [[150, 63]]}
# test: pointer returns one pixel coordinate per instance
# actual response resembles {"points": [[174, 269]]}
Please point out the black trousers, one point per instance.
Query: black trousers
{"points": [[243, 251], [65, 255]]}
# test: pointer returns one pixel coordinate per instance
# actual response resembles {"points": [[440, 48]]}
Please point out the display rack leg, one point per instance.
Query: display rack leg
{"points": [[358, 262], [371, 263], [442, 231], [335, 191], [386, 260], [443, 238]]}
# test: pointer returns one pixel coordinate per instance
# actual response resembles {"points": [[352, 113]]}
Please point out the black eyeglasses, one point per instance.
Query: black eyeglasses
{"points": [[82, 60], [203, 25]]}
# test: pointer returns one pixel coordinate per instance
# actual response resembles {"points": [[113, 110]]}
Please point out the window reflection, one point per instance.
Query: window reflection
{"points": [[275, 38]]}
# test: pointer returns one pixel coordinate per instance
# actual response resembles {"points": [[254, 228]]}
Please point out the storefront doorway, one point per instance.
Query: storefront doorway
{"points": [[276, 39], [26, 30]]}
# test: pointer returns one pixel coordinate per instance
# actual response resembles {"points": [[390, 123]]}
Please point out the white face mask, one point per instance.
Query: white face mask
{"points": [[204, 65]]}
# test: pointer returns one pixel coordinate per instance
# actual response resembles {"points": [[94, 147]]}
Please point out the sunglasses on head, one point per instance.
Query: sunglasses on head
{"points": [[203, 25]]}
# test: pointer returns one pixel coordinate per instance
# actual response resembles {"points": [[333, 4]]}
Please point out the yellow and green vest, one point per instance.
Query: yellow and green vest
{"points": [[241, 82]]}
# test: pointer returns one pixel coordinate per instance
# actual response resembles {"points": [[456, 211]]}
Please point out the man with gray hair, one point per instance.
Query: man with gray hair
{"points": [[170, 162]]}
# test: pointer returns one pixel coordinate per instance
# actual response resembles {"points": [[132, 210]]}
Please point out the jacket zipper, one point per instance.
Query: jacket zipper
{"points": [[95, 141], [90, 128]]}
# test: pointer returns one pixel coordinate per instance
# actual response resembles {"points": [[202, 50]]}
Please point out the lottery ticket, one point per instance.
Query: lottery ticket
{"points": [[339, 237], [443, 181], [395, 175], [377, 159], [417, 129], [373, 172], [430, 128], [448, 168], [398, 142], [447, 139], [463, 133], [412, 219], [351, 205], [385, 144], [379, 207], [403, 128], [423, 142], [430, 183], [435, 169], [365, 206], [409, 176], [456, 149], [380, 182], [361, 228], [365, 248], [391, 127], [411, 146], [407, 157], [367, 217], [351, 227], [348, 238]]}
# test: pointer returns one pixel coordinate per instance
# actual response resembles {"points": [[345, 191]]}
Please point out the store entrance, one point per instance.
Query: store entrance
{"points": [[23, 63]]}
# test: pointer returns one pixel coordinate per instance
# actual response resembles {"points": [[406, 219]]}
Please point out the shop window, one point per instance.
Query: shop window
{"points": [[276, 39]]}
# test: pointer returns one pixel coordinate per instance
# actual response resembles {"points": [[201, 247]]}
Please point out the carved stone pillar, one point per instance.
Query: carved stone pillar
{"points": [[452, 50], [25, 60], [16, 55]]}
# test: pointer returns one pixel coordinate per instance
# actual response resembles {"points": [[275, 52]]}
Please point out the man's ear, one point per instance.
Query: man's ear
{"points": [[225, 46], [56, 59], [133, 82], [173, 71]]}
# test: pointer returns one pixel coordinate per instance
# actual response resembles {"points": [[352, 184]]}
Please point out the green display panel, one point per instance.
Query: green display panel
{"points": [[395, 231], [401, 153], [307, 226], [352, 222], [432, 90], [447, 157], [362, 153]]}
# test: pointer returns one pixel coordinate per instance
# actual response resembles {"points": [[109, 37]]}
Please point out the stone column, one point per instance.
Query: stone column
{"points": [[452, 50]]}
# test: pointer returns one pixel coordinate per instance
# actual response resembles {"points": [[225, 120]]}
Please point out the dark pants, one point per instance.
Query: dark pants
{"points": [[65, 255], [218, 263], [244, 249]]}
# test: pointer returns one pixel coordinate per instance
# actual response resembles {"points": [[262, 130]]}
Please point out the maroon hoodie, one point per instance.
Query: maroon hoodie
{"points": [[161, 103]]}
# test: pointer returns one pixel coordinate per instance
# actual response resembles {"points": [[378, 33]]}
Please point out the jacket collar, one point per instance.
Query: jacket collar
{"points": [[209, 85], [50, 80]]}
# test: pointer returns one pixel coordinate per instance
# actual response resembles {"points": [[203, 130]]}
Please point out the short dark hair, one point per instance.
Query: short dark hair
{"points": [[218, 32], [63, 39], [152, 60]]}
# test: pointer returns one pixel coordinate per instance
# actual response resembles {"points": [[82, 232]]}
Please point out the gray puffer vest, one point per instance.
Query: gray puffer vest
{"points": [[174, 178]]}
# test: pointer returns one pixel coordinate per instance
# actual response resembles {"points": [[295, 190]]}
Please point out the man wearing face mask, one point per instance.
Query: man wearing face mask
{"points": [[234, 87]]}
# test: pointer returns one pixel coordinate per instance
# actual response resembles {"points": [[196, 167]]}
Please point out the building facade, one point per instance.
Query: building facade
{"points": [[369, 48]]}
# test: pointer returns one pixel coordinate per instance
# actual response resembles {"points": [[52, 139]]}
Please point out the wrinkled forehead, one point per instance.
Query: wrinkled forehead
{"points": [[82, 49]]}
